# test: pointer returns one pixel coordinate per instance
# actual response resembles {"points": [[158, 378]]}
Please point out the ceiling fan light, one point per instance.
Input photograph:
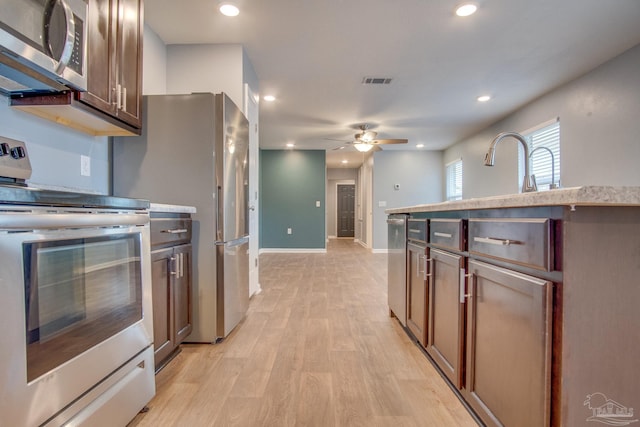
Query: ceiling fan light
{"points": [[363, 147]]}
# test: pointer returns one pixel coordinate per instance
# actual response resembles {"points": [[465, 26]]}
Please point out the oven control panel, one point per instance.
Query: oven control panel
{"points": [[14, 161]]}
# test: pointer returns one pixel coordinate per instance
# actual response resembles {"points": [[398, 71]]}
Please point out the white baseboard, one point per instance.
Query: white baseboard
{"points": [[257, 292], [331, 237], [379, 251], [361, 243]]}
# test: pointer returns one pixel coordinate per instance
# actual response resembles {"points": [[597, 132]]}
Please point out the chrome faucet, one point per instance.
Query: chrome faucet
{"points": [[529, 181], [553, 185]]}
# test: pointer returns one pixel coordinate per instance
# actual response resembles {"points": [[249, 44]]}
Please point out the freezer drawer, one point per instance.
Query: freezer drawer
{"points": [[232, 284], [521, 241]]}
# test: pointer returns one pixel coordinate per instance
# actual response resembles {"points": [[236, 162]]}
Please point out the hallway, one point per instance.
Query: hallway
{"points": [[317, 348]]}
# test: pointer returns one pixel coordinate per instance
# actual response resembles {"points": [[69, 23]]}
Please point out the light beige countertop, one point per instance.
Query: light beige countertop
{"points": [[572, 196], [161, 207]]}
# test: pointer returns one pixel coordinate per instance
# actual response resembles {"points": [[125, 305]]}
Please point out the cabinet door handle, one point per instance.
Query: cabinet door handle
{"points": [[173, 266], [439, 234], [495, 241], [119, 96], [124, 99], [428, 262], [181, 266], [175, 231], [463, 277], [179, 275]]}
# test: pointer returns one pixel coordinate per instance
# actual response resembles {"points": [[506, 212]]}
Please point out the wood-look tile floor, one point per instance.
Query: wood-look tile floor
{"points": [[317, 348]]}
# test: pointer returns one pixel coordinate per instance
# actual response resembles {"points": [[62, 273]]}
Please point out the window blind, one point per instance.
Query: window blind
{"points": [[454, 180], [547, 136]]}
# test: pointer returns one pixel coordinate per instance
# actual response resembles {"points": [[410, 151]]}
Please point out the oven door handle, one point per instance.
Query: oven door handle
{"points": [[22, 221]]}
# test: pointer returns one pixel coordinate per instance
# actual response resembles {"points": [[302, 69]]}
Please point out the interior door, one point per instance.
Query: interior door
{"points": [[251, 111], [346, 210]]}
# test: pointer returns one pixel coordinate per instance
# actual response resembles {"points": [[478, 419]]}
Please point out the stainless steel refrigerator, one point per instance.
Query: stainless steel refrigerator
{"points": [[194, 151]]}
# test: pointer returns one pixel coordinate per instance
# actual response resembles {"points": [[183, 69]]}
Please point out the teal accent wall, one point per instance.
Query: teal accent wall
{"points": [[291, 181]]}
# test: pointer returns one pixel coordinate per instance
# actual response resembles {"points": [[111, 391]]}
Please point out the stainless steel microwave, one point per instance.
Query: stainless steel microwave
{"points": [[42, 45]]}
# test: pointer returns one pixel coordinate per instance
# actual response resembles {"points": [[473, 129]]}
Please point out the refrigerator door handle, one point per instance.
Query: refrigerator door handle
{"points": [[218, 204], [233, 243]]}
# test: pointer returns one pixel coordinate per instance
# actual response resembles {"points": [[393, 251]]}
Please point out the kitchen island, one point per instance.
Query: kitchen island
{"points": [[547, 297]]}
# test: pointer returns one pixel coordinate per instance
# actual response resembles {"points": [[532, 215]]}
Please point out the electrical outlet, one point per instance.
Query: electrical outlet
{"points": [[85, 165], [289, 231], [317, 203]]}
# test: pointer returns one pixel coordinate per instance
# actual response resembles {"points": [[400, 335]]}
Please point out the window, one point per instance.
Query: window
{"points": [[546, 135], [454, 180]]}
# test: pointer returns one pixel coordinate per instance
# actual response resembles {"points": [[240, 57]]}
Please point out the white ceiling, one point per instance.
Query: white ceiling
{"points": [[313, 54]]}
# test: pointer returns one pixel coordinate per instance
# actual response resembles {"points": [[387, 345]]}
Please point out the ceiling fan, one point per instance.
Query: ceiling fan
{"points": [[365, 140]]}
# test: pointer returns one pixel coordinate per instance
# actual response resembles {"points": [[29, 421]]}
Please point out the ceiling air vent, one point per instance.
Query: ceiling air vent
{"points": [[376, 80]]}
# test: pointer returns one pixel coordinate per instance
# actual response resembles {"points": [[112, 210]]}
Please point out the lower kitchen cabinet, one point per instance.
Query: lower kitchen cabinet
{"points": [[417, 295], [171, 283], [509, 328], [446, 314], [171, 277]]}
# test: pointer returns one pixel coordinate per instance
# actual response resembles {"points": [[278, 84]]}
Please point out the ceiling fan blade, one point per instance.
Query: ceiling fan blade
{"points": [[390, 141], [338, 148], [334, 139], [376, 148]]}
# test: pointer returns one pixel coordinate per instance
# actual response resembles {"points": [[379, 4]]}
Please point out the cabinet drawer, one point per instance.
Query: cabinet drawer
{"points": [[170, 231], [417, 230], [522, 241], [447, 233]]}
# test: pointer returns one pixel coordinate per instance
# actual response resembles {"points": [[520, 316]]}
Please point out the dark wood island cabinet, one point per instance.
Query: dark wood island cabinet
{"points": [[543, 289]]}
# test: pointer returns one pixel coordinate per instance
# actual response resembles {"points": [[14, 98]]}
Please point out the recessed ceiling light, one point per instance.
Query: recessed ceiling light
{"points": [[483, 98], [269, 98], [420, 146], [344, 162], [229, 9], [291, 145], [466, 9]]}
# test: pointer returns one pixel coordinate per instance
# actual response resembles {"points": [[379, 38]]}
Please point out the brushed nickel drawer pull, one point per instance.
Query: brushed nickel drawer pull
{"points": [[494, 241], [414, 230], [175, 231], [439, 234]]}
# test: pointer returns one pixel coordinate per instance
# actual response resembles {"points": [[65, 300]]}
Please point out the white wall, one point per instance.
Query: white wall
{"points": [[599, 133], [419, 175], [154, 64], [207, 68], [55, 151]]}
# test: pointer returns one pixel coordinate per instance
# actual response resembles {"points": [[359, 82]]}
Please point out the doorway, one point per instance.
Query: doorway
{"points": [[346, 210]]}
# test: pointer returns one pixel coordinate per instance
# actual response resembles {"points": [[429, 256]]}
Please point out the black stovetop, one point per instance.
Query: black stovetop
{"points": [[12, 194]]}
